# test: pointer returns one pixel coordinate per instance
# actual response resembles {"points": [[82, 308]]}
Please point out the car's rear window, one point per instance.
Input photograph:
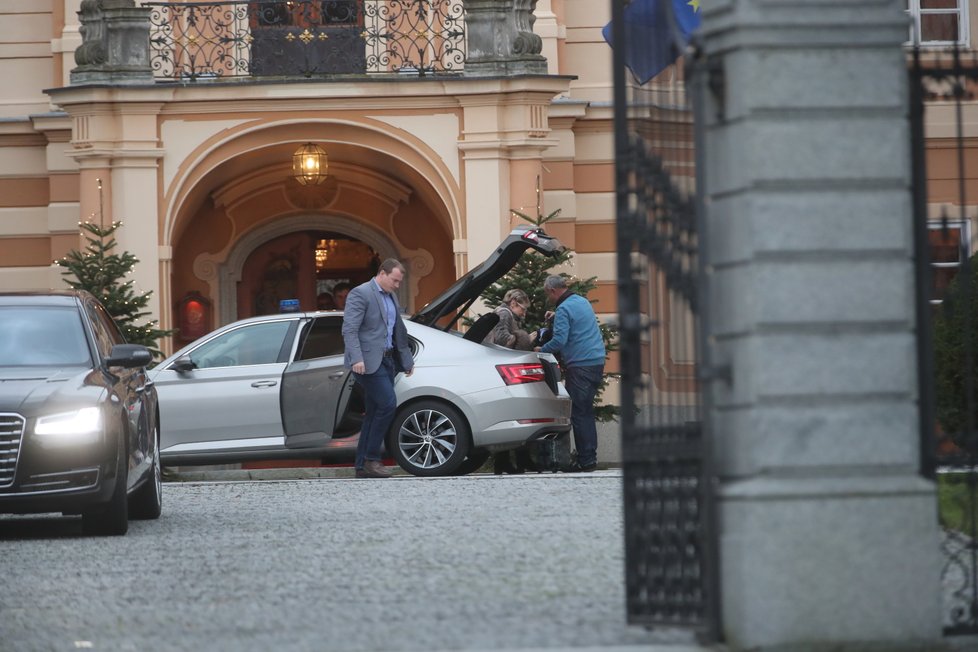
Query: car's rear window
{"points": [[42, 336]]}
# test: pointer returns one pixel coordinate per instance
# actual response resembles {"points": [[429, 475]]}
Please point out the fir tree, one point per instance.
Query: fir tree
{"points": [[528, 274], [102, 272], [956, 354]]}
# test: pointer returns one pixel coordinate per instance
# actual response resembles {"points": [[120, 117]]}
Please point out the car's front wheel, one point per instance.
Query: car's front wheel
{"points": [[113, 518], [430, 438], [147, 501]]}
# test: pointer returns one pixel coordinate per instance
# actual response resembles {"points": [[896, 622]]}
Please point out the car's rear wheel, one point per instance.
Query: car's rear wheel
{"points": [[476, 459], [113, 518], [147, 501], [430, 438]]}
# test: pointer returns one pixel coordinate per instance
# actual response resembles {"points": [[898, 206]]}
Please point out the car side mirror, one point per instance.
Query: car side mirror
{"points": [[129, 356], [183, 364]]}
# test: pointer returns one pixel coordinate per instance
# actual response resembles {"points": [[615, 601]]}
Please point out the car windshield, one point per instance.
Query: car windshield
{"points": [[42, 336]]}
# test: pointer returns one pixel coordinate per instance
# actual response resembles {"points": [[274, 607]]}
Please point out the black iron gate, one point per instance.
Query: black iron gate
{"points": [[670, 547], [947, 315]]}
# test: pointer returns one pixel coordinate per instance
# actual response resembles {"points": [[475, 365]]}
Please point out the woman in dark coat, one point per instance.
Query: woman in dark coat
{"points": [[508, 333]]}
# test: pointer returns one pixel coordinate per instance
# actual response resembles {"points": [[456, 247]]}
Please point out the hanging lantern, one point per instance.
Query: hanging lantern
{"points": [[309, 165]]}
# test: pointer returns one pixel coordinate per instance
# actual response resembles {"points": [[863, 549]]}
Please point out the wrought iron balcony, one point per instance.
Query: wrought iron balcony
{"points": [[191, 41]]}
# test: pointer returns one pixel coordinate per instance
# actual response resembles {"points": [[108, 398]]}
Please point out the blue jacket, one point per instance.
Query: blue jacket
{"points": [[576, 334]]}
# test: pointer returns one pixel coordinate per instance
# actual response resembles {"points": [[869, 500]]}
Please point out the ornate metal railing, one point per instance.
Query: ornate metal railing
{"points": [[192, 41]]}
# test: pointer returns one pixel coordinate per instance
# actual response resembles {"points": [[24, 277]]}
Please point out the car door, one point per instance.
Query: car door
{"points": [[230, 399], [316, 387]]}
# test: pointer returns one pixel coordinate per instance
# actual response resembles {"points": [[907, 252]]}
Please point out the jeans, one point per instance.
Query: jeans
{"points": [[582, 385], [380, 403]]}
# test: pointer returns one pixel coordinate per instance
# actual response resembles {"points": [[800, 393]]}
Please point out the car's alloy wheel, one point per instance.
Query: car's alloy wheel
{"points": [[147, 501], [430, 438], [113, 518]]}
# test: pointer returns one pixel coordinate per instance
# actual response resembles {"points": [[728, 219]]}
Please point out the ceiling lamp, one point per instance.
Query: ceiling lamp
{"points": [[309, 165], [323, 251]]}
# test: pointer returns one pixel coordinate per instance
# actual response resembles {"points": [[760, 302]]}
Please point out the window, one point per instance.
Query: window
{"points": [[324, 338], [32, 336], [262, 343], [107, 333], [947, 246], [938, 22]]}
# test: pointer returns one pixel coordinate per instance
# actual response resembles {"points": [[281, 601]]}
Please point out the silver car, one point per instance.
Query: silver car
{"points": [[275, 387]]}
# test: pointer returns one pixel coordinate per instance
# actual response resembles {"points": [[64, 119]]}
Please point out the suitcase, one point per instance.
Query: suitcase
{"points": [[551, 453]]}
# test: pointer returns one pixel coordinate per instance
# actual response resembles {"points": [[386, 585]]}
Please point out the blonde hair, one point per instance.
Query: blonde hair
{"points": [[517, 295]]}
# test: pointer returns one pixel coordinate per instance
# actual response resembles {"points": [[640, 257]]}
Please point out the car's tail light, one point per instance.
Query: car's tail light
{"points": [[517, 374]]}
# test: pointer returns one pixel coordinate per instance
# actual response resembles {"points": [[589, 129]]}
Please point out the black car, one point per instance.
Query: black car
{"points": [[79, 422]]}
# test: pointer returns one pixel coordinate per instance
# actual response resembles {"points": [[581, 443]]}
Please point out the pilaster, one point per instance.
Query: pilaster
{"points": [[115, 144]]}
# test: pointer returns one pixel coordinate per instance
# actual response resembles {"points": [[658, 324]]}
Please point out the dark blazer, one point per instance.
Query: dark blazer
{"points": [[365, 330]]}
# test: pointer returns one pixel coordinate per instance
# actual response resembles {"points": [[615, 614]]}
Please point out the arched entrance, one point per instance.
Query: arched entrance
{"points": [[245, 220], [285, 250]]}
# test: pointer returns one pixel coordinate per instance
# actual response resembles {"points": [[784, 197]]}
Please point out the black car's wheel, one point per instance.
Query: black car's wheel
{"points": [[430, 438], [476, 459], [147, 501], [113, 518]]}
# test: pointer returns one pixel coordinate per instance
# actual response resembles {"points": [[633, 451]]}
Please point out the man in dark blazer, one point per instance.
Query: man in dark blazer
{"points": [[376, 348]]}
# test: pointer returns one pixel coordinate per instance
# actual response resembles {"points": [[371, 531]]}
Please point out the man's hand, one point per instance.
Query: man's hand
{"points": [[359, 367], [536, 348], [409, 372]]}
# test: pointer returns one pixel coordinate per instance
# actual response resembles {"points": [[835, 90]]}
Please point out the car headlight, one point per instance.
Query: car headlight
{"points": [[85, 421]]}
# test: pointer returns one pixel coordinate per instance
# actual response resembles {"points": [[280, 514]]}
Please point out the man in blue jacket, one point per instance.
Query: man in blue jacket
{"points": [[577, 339]]}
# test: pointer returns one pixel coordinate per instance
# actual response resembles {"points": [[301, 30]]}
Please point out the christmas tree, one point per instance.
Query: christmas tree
{"points": [[103, 272], [529, 273]]}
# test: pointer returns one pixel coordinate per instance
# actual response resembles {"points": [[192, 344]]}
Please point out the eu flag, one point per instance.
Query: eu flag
{"points": [[654, 35]]}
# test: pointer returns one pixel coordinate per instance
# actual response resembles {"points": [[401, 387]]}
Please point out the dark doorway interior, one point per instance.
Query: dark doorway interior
{"points": [[306, 266]]}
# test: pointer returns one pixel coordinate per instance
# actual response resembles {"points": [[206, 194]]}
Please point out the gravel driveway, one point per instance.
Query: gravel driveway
{"points": [[470, 563]]}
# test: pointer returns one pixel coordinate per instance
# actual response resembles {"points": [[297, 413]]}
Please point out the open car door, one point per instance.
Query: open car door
{"points": [[316, 387], [456, 299]]}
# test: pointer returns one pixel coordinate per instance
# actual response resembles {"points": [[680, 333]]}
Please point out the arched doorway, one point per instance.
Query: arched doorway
{"points": [[240, 195], [292, 241], [307, 266]]}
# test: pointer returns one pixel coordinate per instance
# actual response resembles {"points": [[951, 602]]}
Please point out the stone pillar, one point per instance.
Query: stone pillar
{"points": [[828, 535], [115, 43], [500, 39]]}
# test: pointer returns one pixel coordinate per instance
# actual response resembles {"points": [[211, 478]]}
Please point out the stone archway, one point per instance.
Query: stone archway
{"points": [[225, 275]]}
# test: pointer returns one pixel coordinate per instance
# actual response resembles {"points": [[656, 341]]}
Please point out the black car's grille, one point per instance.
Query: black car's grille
{"points": [[11, 433], [551, 373]]}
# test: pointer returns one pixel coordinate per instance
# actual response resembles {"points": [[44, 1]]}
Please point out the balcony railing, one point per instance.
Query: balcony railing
{"points": [[191, 41]]}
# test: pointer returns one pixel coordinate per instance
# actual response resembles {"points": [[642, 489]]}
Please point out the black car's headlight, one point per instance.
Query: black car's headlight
{"points": [[75, 426]]}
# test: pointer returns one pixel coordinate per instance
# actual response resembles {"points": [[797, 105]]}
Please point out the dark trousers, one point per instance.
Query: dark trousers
{"points": [[582, 385], [379, 403]]}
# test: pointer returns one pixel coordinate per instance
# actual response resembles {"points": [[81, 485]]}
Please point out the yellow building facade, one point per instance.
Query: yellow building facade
{"points": [[424, 168]]}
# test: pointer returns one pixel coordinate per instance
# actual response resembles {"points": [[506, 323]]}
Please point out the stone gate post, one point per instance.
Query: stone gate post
{"points": [[828, 534]]}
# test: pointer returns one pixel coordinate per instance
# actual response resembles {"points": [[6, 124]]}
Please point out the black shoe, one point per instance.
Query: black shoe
{"points": [[577, 467]]}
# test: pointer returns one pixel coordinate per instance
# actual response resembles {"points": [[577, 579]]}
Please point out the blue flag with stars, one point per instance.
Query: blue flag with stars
{"points": [[653, 38]]}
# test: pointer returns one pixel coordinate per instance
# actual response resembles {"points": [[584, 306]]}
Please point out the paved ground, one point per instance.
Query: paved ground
{"points": [[472, 563]]}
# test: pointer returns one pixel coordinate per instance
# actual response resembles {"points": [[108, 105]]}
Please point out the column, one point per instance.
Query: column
{"points": [[828, 535]]}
